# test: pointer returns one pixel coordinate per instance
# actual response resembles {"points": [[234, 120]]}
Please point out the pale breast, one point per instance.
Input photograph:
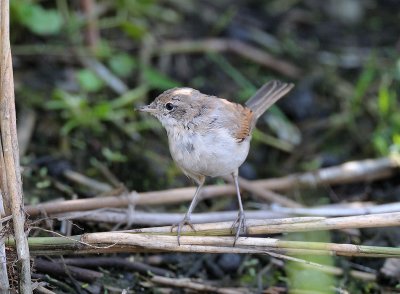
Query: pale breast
{"points": [[213, 153]]}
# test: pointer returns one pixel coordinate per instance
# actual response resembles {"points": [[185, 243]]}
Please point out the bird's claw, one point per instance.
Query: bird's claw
{"points": [[239, 225], [186, 221]]}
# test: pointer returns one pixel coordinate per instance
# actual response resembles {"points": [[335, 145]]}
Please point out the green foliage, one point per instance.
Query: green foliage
{"points": [[113, 156], [386, 137], [103, 49], [133, 30], [249, 274], [363, 85], [89, 81], [122, 64], [35, 18], [289, 135], [158, 80], [375, 93], [79, 112]]}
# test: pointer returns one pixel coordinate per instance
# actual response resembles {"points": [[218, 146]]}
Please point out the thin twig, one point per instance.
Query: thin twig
{"points": [[103, 73], [198, 286], [91, 29], [118, 262], [88, 182], [42, 290], [222, 45], [57, 268]]}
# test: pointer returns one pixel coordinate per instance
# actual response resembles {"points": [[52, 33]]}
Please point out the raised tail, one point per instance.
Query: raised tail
{"points": [[266, 96]]}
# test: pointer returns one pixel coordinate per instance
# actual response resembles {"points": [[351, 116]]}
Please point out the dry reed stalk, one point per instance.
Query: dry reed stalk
{"points": [[345, 209], [348, 172], [209, 238], [137, 217], [297, 224], [126, 216], [367, 170], [4, 284], [10, 151], [117, 242]]}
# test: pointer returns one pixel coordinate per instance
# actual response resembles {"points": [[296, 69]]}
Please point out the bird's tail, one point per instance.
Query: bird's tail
{"points": [[266, 96]]}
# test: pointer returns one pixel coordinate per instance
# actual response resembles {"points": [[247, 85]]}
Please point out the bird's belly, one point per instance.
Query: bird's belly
{"points": [[215, 154]]}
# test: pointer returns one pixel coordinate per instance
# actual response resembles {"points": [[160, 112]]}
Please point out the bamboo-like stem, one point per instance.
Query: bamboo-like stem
{"points": [[364, 170], [125, 216], [138, 217], [299, 224], [209, 238], [11, 152], [113, 242], [4, 284]]}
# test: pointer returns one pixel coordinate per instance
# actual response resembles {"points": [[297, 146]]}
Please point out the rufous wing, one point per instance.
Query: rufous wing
{"points": [[244, 124], [237, 119]]}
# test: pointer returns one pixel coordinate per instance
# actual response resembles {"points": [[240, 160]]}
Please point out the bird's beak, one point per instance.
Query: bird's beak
{"points": [[147, 108]]}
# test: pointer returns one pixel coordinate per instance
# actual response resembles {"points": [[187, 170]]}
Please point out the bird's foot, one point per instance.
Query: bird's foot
{"points": [[239, 225], [186, 221]]}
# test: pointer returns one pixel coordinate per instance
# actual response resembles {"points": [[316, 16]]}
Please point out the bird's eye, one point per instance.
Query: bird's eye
{"points": [[169, 106]]}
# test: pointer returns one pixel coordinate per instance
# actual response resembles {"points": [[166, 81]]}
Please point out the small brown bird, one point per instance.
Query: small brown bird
{"points": [[210, 136]]}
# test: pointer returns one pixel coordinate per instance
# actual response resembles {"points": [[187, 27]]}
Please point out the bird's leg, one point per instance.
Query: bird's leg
{"points": [[240, 222], [186, 219]]}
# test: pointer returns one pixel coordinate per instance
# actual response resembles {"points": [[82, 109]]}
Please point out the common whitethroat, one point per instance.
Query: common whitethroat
{"points": [[210, 136]]}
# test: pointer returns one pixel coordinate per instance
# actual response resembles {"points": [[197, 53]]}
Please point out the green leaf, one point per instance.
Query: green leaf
{"points": [[129, 97], [113, 156], [159, 81], [89, 81], [37, 19], [134, 31], [102, 110], [103, 49], [364, 82], [69, 126], [384, 101], [380, 144], [122, 64]]}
